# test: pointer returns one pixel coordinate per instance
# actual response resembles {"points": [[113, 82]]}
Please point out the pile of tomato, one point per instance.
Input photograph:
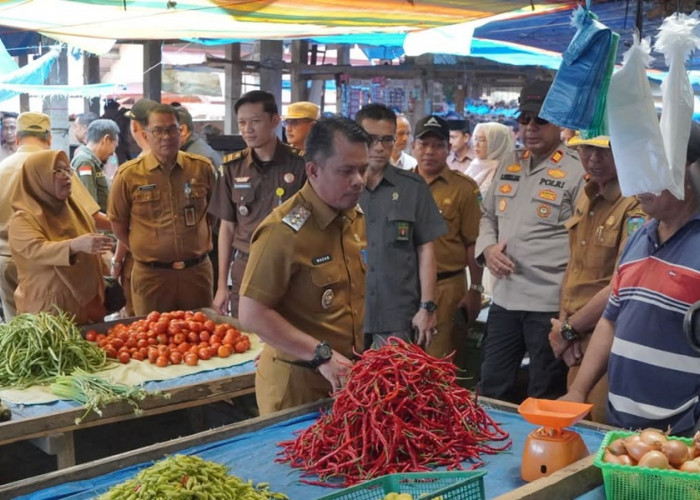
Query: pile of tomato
{"points": [[171, 338]]}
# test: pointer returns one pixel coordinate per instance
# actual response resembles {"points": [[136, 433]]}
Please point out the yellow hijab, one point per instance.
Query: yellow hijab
{"points": [[59, 220]]}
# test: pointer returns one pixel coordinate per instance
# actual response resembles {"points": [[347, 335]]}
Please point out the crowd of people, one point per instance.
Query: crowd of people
{"points": [[361, 230]]}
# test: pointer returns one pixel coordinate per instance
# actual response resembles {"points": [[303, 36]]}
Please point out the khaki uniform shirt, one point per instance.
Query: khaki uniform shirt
{"points": [[307, 263], [168, 222], [248, 190], [461, 164], [10, 170], [91, 175], [457, 197], [527, 208], [598, 230]]}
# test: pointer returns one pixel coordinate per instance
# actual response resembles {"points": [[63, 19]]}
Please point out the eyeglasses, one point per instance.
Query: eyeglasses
{"points": [[162, 132], [63, 172], [526, 118], [386, 140]]}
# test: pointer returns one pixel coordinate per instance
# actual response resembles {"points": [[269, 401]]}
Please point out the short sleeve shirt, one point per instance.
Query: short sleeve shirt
{"points": [[91, 175], [166, 211], [401, 215], [457, 197], [248, 189], [306, 263]]}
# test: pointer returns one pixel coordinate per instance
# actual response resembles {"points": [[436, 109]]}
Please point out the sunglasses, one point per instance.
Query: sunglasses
{"points": [[526, 118]]}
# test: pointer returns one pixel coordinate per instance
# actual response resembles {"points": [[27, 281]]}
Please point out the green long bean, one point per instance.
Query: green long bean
{"points": [[37, 348]]}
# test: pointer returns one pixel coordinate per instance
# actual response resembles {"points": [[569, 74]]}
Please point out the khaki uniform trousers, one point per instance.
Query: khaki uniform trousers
{"points": [[157, 289], [598, 396], [8, 284], [449, 292], [280, 385]]}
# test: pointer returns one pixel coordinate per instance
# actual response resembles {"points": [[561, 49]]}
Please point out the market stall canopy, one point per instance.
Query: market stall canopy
{"points": [[111, 20]]}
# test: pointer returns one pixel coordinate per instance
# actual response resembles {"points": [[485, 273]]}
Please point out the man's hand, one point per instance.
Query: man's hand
{"points": [[336, 370], [92, 244], [424, 323], [573, 355], [559, 345], [496, 260], [471, 302], [222, 300]]}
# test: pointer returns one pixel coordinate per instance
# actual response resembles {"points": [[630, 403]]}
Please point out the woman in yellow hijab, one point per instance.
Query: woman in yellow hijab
{"points": [[55, 244]]}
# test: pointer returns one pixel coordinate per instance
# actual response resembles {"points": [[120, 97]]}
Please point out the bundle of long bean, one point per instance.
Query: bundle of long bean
{"points": [[96, 392], [181, 477], [37, 348], [400, 411]]}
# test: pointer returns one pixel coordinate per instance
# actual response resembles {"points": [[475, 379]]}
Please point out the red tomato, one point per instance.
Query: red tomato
{"points": [[199, 317], [110, 351], [163, 349], [204, 336], [243, 336], [203, 344], [178, 338], [165, 317], [194, 326], [215, 345], [240, 347], [142, 343], [225, 351], [153, 355], [220, 329], [117, 343], [162, 338], [175, 358], [91, 335], [230, 338], [131, 342], [189, 315], [191, 359], [144, 352], [194, 349], [101, 336], [162, 361], [213, 351], [138, 356], [124, 357], [160, 327], [183, 348], [204, 353], [215, 339], [178, 314], [153, 316], [193, 337], [152, 341], [209, 326]]}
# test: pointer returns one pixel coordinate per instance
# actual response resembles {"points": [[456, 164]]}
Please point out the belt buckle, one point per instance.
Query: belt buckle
{"points": [[179, 265]]}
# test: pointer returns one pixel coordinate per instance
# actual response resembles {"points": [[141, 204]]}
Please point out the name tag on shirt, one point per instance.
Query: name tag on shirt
{"points": [[147, 187], [242, 185]]}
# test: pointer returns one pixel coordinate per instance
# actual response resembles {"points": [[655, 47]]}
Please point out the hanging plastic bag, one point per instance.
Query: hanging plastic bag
{"points": [[576, 98], [676, 42], [635, 136]]}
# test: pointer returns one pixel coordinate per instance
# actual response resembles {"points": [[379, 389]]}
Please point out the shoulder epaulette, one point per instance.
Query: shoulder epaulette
{"points": [[296, 151], [233, 156], [297, 217]]}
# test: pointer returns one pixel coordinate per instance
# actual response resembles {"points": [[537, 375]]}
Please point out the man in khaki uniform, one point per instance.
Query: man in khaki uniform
{"points": [[298, 121], [457, 197], [598, 231], [158, 208], [33, 135], [304, 287], [252, 183]]}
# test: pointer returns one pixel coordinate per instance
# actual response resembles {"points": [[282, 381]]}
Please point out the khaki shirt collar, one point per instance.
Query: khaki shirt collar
{"points": [[151, 162], [610, 192], [444, 175], [320, 210], [469, 155]]}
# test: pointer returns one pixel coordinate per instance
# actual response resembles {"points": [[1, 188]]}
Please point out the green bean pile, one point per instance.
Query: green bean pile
{"points": [[37, 348], [181, 477]]}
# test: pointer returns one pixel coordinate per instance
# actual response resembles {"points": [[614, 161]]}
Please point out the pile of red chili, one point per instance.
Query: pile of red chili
{"points": [[400, 411]]}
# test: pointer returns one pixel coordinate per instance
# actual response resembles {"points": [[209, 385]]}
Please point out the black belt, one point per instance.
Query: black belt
{"points": [[448, 274], [239, 254], [178, 265]]}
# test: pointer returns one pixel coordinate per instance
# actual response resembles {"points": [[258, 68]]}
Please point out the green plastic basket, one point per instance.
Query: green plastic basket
{"points": [[454, 485], [630, 482]]}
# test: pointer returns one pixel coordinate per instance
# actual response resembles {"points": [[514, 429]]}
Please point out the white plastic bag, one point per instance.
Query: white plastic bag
{"points": [[635, 136]]}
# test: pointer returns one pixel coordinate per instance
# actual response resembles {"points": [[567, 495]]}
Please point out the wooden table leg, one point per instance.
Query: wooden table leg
{"points": [[62, 445]]}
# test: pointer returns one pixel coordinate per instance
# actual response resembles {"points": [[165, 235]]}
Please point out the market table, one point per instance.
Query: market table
{"points": [[249, 449], [50, 426]]}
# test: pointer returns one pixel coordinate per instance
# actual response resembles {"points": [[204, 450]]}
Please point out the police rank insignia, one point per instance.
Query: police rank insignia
{"points": [[505, 188], [556, 173], [557, 156], [544, 210], [634, 223], [327, 298], [547, 194], [514, 168], [297, 217], [502, 205]]}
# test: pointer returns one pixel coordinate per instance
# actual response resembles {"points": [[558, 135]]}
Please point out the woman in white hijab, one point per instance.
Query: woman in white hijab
{"points": [[494, 146]]}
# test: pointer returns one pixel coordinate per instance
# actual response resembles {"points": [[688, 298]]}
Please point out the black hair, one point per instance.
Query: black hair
{"points": [[320, 144], [184, 117], [258, 96], [376, 112], [8, 114], [164, 109], [42, 136]]}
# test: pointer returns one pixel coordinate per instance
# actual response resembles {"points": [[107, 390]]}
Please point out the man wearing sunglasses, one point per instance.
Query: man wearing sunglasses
{"points": [[524, 243], [402, 222]]}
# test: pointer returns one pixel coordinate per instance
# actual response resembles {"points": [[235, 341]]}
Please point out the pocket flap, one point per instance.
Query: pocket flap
{"points": [[326, 274]]}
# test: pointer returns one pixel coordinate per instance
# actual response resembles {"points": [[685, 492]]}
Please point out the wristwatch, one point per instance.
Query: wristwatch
{"points": [[476, 288], [568, 333], [322, 354], [429, 306]]}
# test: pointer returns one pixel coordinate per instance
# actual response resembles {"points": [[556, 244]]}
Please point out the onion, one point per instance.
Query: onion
{"points": [[637, 449], [610, 458], [626, 460], [653, 437], [676, 451], [691, 466], [617, 447], [654, 460]]}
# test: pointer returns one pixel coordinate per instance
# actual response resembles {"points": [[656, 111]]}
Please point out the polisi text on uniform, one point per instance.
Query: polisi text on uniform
{"points": [[552, 183]]}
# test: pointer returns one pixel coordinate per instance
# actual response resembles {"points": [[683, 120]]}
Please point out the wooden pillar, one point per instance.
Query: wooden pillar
{"points": [[343, 59], [233, 82], [91, 74], [300, 56], [56, 106], [271, 68], [152, 70], [22, 60]]}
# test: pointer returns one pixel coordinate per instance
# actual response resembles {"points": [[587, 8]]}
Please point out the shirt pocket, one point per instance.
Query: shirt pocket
{"points": [[326, 290], [546, 204], [400, 227], [243, 193], [147, 203], [505, 197], [198, 198]]}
